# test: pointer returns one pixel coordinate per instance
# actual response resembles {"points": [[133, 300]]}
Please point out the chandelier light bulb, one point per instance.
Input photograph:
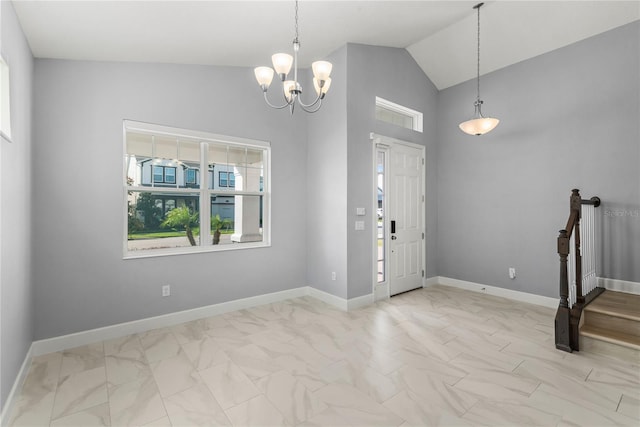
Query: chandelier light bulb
{"points": [[282, 63], [264, 76], [321, 69]]}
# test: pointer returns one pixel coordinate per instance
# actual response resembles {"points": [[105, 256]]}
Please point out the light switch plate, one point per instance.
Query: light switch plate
{"points": [[361, 211], [359, 225]]}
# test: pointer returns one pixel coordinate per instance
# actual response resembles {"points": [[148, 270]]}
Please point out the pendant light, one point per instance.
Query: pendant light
{"points": [[478, 125]]}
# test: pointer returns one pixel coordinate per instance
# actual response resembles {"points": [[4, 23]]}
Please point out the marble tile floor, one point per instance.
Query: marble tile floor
{"points": [[435, 356]]}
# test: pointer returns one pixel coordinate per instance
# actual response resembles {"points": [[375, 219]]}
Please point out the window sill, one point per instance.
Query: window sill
{"points": [[192, 250]]}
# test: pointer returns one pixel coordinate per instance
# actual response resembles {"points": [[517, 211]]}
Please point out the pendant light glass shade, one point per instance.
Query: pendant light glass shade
{"points": [[478, 125]]}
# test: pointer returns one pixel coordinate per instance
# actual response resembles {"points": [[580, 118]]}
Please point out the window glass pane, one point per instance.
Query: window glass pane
{"points": [[217, 154], [154, 221], [165, 147], [139, 144], [222, 219], [190, 176], [237, 156], [170, 175], [236, 219], [397, 114], [158, 174], [381, 238], [153, 160], [222, 179], [255, 158], [189, 151]]}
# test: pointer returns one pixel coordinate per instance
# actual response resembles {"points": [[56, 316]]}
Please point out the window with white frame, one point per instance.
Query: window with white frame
{"points": [[168, 200], [398, 115], [5, 100]]}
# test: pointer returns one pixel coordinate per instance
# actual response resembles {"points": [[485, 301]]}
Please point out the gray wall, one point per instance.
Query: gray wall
{"points": [[392, 74], [569, 119], [327, 185], [340, 163], [81, 280], [16, 290]]}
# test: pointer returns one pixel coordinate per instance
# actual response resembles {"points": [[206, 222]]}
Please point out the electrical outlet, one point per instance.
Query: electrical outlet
{"points": [[166, 290], [333, 275], [512, 273]]}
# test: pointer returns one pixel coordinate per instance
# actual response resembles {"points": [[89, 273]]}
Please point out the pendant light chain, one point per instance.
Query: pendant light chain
{"points": [[478, 65]]}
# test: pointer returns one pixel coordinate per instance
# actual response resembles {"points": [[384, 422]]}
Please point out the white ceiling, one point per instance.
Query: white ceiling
{"points": [[440, 35]]}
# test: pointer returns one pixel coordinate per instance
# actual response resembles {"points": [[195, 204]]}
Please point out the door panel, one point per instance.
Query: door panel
{"points": [[405, 208]]}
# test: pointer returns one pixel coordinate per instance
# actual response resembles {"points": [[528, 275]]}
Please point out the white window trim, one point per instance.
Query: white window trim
{"points": [[204, 192], [5, 101], [416, 116]]}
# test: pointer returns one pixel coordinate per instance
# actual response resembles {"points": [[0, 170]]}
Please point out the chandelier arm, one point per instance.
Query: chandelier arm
{"points": [[308, 110], [276, 106], [304, 106]]}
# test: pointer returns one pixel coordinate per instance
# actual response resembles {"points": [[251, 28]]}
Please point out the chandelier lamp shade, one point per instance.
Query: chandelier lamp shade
{"points": [[479, 124], [291, 89]]}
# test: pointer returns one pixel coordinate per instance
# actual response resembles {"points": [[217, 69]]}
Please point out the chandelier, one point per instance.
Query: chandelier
{"points": [[292, 90], [478, 125]]}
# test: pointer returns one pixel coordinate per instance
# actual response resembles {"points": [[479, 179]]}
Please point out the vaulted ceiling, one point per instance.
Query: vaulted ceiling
{"points": [[440, 35]]}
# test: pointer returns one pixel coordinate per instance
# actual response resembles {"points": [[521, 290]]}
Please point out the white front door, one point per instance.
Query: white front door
{"points": [[405, 217]]}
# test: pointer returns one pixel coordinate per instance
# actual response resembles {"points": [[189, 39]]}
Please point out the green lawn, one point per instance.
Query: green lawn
{"points": [[168, 233]]}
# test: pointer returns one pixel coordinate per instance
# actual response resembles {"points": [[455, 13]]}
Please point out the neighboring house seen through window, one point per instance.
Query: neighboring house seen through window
{"points": [[173, 208]]}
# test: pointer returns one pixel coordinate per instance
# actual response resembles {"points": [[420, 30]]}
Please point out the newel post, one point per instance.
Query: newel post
{"points": [[563, 315]]}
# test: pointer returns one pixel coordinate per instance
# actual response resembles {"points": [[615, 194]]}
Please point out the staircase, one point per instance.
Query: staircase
{"points": [[612, 322]]}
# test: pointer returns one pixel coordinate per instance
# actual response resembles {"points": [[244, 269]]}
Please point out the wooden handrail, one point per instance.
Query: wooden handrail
{"points": [[568, 317]]}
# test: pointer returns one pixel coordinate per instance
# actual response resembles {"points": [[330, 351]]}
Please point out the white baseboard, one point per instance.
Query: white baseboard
{"points": [[358, 302], [431, 281], [122, 329], [341, 303], [619, 285], [500, 292], [330, 299], [7, 409]]}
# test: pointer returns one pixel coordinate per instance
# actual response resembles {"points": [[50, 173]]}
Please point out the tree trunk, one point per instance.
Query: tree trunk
{"points": [[190, 236], [216, 237]]}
